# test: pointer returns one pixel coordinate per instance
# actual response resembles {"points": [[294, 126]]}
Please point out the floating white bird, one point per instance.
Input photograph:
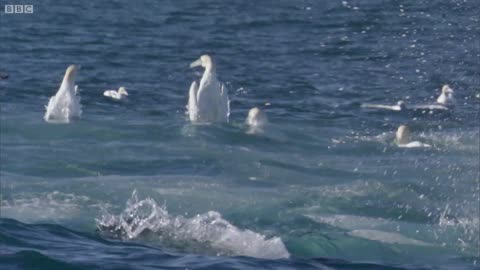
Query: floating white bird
{"points": [[256, 118], [118, 95], [403, 139], [446, 97], [65, 105], [398, 107], [208, 102]]}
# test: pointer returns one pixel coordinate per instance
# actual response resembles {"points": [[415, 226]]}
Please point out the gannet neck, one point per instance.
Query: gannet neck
{"points": [[403, 135], [209, 75], [207, 63]]}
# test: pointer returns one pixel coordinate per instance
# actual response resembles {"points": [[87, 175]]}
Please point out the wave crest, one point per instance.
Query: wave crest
{"points": [[207, 233]]}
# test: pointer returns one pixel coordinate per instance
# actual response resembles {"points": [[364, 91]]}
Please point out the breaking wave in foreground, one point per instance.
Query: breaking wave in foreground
{"points": [[207, 233]]}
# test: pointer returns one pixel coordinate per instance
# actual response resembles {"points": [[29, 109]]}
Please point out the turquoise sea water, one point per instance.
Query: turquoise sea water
{"points": [[134, 185]]}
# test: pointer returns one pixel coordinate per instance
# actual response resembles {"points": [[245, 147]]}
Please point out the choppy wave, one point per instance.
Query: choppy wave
{"points": [[43, 246], [204, 231]]}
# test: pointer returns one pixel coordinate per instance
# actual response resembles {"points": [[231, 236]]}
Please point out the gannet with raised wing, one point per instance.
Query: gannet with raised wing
{"points": [[65, 105], [208, 101]]}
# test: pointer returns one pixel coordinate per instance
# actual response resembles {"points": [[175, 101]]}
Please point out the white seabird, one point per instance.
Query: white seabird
{"points": [[444, 102], [398, 107], [65, 105], [256, 118], [117, 95], [208, 102], [403, 139], [446, 97]]}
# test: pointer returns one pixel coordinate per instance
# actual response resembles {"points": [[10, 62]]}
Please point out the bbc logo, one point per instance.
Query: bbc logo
{"points": [[18, 9]]}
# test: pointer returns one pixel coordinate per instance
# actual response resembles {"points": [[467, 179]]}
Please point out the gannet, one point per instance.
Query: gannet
{"points": [[256, 118], [403, 138], [208, 102], [446, 97], [65, 105], [398, 107], [117, 95], [444, 102]]}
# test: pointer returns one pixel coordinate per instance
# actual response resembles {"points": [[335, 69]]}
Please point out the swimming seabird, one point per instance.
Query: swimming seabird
{"points": [[117, 95], [398, 107], [444, 102], [446, 97], [65, 105], [256, 118], [403, 138], [208, 102]]}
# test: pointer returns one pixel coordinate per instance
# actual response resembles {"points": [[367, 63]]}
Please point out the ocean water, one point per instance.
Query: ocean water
{"points": [[134, 185]]}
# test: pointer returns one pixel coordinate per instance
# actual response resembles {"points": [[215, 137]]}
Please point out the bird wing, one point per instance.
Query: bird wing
{"points": [[415, 144], [192, 106], [224, 102], [380, 106], [428, 107], [109, 93]]}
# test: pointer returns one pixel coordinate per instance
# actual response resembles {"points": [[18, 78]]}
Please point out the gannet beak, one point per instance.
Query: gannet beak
{"points": [[196, 63]]}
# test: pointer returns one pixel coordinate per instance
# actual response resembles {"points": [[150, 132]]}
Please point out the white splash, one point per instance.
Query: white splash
{"points": [[116, 95], [209, 230], [208, 102], [65, 105]]}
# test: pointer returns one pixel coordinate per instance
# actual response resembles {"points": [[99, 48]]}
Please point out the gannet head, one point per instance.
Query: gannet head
{"points": [[447, 90], [122, 91], [71, 73], [403, 135], [401, 104], [256, 117], [204, 61]]}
